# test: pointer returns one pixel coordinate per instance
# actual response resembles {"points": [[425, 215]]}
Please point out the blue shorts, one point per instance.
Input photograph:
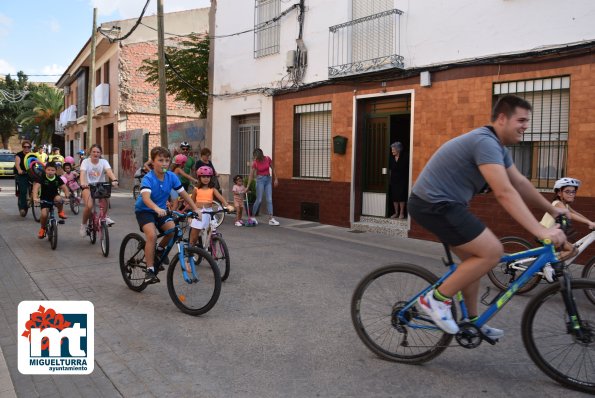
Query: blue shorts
{"points": [[451, 222], [146, 217]]}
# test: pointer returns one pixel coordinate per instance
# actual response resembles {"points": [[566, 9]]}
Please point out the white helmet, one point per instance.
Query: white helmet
{"points": [[567, 182]]}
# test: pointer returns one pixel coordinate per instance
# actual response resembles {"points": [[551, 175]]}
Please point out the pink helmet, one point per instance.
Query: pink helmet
{"points": [[69, 159], [180, 159], [204, 171]]}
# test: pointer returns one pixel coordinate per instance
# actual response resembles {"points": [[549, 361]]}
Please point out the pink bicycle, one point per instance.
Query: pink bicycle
{"points": [[97, 224]]}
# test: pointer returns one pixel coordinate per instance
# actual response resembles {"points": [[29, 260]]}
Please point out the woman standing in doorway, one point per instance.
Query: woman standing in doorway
{"points": [[398, 165], [262, 167]]}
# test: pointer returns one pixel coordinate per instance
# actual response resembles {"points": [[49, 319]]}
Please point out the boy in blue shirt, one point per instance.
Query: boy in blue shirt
{"points": [[151, 205]]}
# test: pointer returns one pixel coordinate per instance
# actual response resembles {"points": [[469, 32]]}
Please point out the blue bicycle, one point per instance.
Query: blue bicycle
{"points": [[558, 325], [194, 285]]}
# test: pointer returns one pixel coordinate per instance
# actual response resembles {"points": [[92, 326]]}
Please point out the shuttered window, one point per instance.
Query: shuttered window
{"points": [[312, 141], [542, 155]]}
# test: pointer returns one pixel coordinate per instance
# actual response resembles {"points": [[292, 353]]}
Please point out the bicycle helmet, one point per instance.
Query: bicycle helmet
{"points": [[204, 171], [185, 144], [180, 159], [69, 159], [81, 152], [567, 182]]}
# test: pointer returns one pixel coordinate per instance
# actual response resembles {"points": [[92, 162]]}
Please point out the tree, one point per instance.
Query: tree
{"points": [[186, 73], [43, 108], [9, 110]]}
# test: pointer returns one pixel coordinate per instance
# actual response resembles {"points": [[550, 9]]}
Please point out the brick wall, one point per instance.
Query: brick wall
{"points": [[459, 100]]}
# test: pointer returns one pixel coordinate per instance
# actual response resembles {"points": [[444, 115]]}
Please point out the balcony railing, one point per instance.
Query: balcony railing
{"points": [[364, 45]]}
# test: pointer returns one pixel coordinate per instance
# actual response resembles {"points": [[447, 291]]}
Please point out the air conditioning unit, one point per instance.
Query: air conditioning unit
{"points": [[67, 90]]}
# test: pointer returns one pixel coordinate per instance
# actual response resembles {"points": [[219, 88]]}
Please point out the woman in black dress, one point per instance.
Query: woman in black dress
{"points": [[398, 165]]}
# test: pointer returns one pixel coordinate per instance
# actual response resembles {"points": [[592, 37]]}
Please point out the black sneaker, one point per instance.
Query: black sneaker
{"points": [[151, 277], [164, 260]]}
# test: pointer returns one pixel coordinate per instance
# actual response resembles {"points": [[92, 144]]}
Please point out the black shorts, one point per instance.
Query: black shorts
{"points": [[451, 222], [147, 217]]}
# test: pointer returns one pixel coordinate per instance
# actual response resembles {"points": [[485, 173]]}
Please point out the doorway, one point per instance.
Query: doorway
{"points": [[386, 120]]}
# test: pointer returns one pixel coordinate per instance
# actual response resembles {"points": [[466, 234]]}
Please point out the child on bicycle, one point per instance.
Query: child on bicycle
{"points": [[565, 190], [178, 169], [239, 193], [70, 176], [151, 205], [203, 195], [50, 185]]}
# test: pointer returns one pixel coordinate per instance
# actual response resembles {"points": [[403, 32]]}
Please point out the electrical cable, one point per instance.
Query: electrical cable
{"points": [[138, 22]]}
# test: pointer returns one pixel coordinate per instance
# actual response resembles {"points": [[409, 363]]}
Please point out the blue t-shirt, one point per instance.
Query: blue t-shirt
{"points": [[452, 174], [159, 189]]}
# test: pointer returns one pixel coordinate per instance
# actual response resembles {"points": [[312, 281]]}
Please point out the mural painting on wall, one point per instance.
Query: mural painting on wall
{"points": [[194, 132], [131, 154]]}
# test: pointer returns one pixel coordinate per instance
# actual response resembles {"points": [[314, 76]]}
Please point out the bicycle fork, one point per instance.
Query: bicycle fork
{"points": [[575, 324], [187, 264]]}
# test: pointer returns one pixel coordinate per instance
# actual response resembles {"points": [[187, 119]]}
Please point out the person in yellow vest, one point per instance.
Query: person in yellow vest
{"points": [[58, 159]]}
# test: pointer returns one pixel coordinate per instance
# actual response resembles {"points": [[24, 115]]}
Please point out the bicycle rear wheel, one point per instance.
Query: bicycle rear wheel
{"points": [[104, 239], [132, 262], [589, 273], [553, 344], [91, 230], [35, 211], [375, 305], [503, 274], [52, 233], [194, 298], [219, 217], [220, 253]]}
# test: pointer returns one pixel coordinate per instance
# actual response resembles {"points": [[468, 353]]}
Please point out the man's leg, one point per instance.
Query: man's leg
{"points": [[478, 257]]}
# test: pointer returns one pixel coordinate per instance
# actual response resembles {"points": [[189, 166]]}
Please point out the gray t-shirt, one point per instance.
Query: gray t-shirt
{"points": [[452, 174]]}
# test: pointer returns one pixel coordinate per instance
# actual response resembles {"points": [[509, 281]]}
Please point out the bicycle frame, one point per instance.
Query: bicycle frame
{"points": [[543, 255], [581, 245], [181, 244]]}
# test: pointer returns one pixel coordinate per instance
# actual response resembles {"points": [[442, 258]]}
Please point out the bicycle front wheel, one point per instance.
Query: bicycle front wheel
{"points": [[198, 296], [561, 352], [589, 273], [74, 204], [504, 274], [104, 239], [375, 305], [135, 191], [53, 234], [220, 253], [35, 211], [132, 262]]}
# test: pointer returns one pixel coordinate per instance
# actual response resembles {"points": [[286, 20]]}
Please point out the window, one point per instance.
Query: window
{"points": [[542, 155], [266, 30], [106, 72], [312, 141], [81, 93]]}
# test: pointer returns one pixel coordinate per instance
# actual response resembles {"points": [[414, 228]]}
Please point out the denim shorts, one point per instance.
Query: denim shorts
{"points": [[451, 222]]}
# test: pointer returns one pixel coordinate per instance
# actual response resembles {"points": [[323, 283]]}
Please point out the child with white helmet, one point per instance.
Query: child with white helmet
{"points": [[565, 190]]}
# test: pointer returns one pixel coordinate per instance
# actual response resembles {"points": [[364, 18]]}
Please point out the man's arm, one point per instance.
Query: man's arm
{"points": [[506, 194]]}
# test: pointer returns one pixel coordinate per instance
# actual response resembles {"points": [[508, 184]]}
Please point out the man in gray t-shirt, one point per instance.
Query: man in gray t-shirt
{"points": [[461, 168]]}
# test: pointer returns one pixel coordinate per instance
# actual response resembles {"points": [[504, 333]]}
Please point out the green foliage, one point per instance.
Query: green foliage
{"points": [[9, 111], [43, 107], [187, 75]]}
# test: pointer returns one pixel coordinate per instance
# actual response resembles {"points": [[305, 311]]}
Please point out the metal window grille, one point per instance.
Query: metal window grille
{"points": [[248, 140], [312, 141], [266, 33], [542, 155]]}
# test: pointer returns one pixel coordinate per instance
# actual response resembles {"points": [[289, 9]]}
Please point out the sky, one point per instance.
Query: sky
{"points": [[42, 37]]}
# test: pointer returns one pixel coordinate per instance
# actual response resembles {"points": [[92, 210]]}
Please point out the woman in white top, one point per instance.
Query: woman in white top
{"points": [[93, 170]]}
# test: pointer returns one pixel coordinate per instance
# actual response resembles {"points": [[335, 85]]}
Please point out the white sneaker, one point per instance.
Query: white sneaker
{"points": [[254, 221], [489, 331], [238, 224], [272, 221], [83, 231], [439, 311], [548, 273], [109, 221]]}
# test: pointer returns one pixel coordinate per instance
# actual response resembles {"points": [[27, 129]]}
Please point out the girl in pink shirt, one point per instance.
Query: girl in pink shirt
{"points": [[264, 183]]}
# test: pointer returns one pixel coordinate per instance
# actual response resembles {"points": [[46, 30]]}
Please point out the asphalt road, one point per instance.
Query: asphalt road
{"points": [[281, 327]]}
